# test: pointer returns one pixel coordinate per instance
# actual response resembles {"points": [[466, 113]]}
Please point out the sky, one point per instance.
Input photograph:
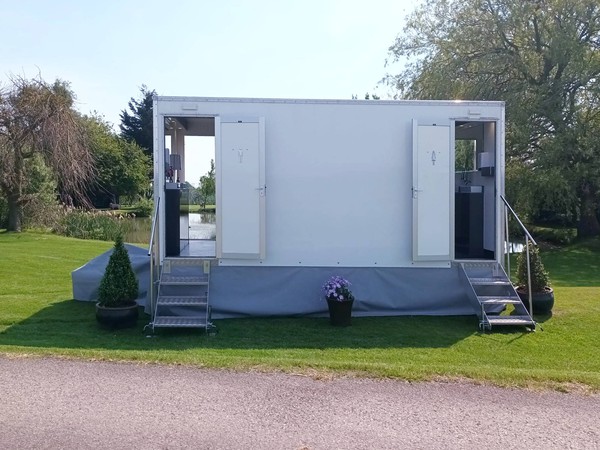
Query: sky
{"points": [[326, 49]]}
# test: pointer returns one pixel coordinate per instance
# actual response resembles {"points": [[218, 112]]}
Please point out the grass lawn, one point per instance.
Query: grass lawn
{"points": [[197, 208], [37, 316]]}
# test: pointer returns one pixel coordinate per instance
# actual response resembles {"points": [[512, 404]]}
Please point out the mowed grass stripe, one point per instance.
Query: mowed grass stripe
{"points": [[37, 316]]}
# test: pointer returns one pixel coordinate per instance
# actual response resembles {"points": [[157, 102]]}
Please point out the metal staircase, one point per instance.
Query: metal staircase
{"points": [[182, 299], [493, 296]]}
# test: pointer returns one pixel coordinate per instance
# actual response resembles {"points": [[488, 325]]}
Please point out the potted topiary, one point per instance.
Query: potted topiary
{"points": [[542, 295], [116, 307], [339, 300]]}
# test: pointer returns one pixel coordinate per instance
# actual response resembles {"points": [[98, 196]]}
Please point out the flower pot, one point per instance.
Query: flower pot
{"points": [[542, 301], [117, 317], [340, 313]]}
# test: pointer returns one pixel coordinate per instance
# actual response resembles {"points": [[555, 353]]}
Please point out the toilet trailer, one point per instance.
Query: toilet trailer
{"points": [[402, 198]]}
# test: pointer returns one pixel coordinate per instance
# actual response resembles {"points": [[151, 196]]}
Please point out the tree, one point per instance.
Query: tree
{"points": [[40, 190], [122, 166], [207, 186], [137, 125], [37, 118], [542, 57], [367, 96]]}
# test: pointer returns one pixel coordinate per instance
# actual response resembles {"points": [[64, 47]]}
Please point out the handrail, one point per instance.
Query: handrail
{"points": [[528, 238], [154, 254], [154, 219], [518, 220]]}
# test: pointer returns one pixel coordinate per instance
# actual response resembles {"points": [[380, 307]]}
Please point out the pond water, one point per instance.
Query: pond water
{"points": [[199, 225], [137, 230], [515, 247], [202, 226]]}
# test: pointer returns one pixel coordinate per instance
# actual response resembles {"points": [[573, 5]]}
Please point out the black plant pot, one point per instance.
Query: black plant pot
{"points": [[340, 313], [542, 301], [117, 317]]}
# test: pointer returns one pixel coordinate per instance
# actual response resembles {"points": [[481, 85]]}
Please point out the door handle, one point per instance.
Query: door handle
{"points": [[262, 190]]}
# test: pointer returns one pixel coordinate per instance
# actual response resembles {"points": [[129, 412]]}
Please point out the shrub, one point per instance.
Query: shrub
{"points": [[41, 209], [143, 208], [99, 225], [118, 286], [43, 215], [539, 276]]}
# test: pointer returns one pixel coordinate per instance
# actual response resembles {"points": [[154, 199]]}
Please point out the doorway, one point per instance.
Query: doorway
{"points": [[226, 221], [475, 190], [190, 200]]}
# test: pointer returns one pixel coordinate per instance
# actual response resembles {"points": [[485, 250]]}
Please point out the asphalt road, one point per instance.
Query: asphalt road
{"points": [[65, 404]]}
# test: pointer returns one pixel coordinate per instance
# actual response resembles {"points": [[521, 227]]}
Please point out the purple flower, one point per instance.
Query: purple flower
{"points": [[338, 288]]}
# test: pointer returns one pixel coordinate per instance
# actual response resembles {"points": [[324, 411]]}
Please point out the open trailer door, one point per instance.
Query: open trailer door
{"points": [[431, 192], [241, 189]]}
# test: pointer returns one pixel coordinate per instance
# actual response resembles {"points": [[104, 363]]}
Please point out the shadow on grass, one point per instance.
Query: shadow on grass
{"points": [[72, 324], [542, 318]]}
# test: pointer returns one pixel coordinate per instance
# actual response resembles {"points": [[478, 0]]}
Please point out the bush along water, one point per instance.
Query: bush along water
{"points": [[143, 208], [99, 225]]}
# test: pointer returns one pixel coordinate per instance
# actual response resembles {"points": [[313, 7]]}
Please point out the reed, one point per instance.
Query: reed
{"points": [[98, 225]]}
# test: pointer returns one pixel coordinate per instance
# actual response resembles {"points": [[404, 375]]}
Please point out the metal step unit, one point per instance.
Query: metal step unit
{"points": [[183, 294], [491, 293]]}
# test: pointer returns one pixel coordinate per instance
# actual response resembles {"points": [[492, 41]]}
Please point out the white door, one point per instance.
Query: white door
{"points": [[241, 189], [431, 193]]}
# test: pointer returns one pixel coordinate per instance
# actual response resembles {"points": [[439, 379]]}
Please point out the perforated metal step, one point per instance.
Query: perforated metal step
{"points": [[491, 281], [495, 300], [183, 294], [511, 320], [179, 322], [173, 300], [174, 280], [489, 288]]}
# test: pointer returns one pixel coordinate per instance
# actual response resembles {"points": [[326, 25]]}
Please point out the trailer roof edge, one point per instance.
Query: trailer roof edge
{"points": [[494, 103]]}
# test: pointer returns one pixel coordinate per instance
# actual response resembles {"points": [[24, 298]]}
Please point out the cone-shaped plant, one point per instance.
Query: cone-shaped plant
{"points": [[539, 276], [118, 287]]}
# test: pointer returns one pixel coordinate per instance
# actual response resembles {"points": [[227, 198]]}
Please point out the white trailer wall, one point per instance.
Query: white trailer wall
{"points": [[338, 200], [338, 175]]}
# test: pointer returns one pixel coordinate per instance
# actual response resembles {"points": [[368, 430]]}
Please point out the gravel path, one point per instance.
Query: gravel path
{"points": [[54, 403]]}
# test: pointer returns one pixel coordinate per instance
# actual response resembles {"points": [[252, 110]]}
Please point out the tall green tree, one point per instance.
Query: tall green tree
{"points": [[542, 57], [137, 122], [206, 190], [38, 118], [122, 166]]}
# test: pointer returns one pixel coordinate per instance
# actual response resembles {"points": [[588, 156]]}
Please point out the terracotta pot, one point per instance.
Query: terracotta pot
{"points": [[340, 313], [542, 301], [117, 317]]}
